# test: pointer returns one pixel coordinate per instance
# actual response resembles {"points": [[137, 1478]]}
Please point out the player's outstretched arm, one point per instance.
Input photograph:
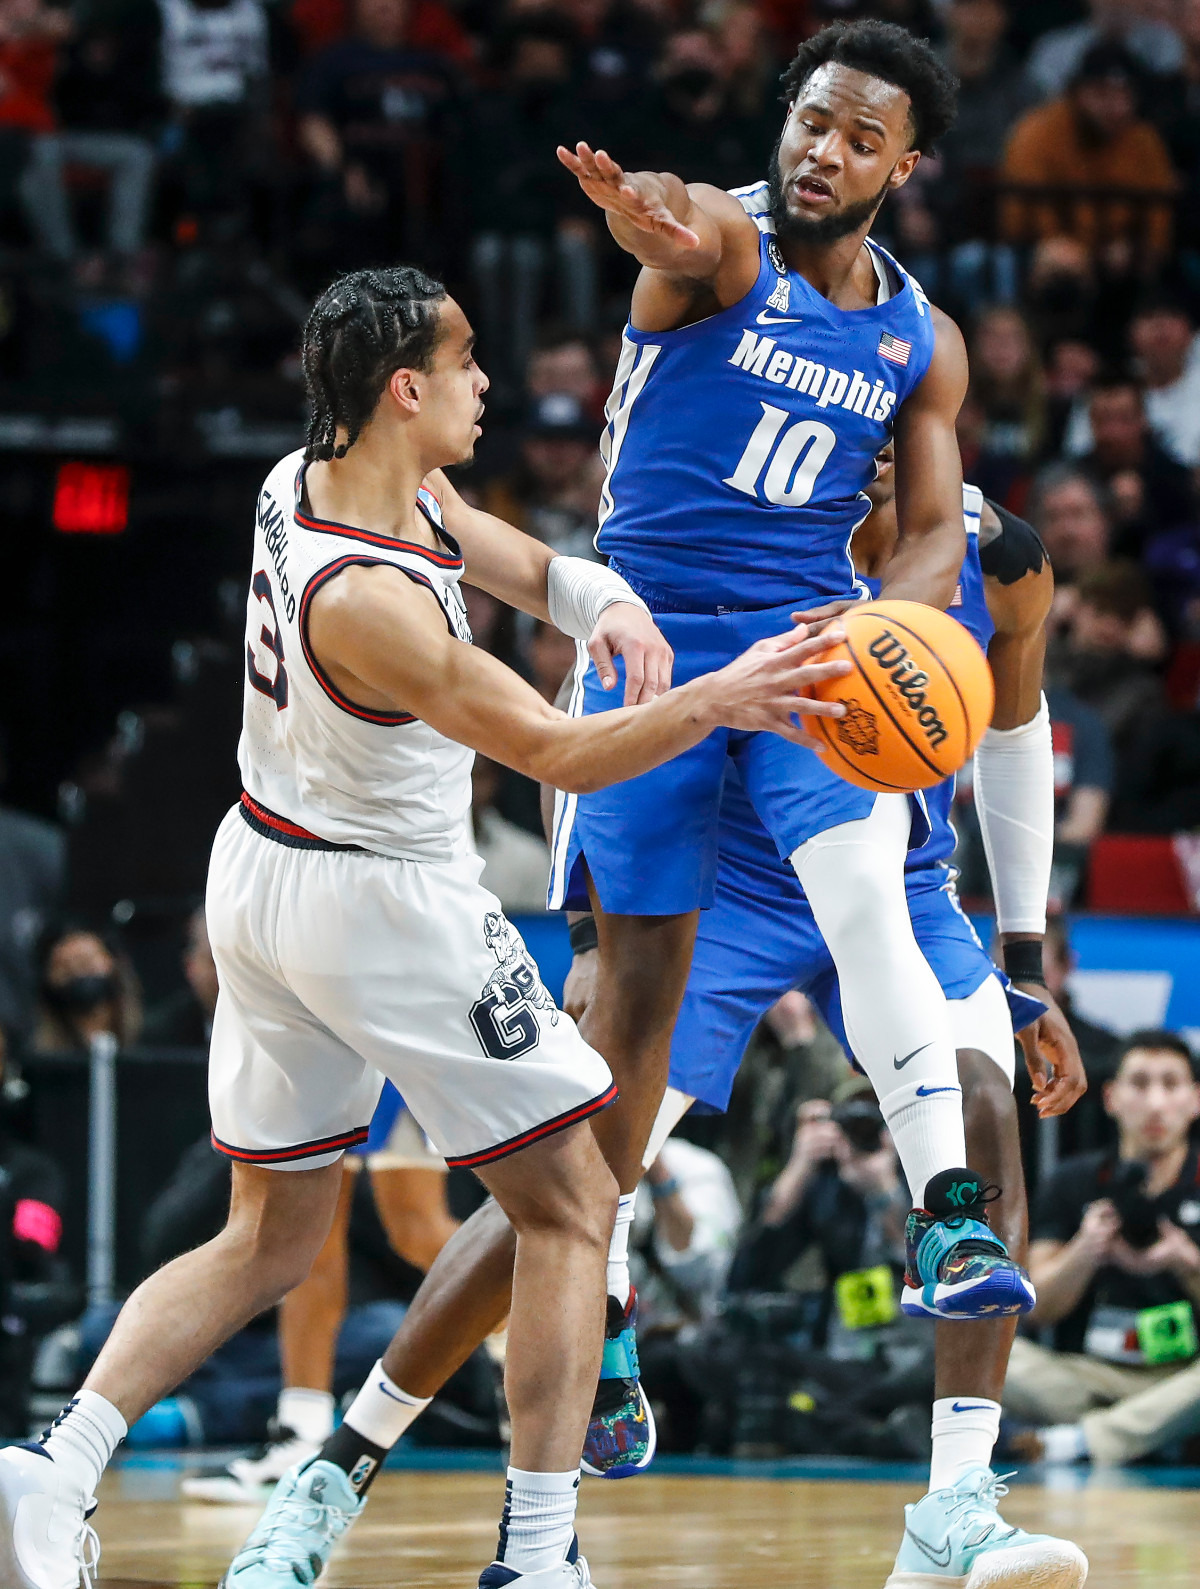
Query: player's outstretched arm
{"points": [[930, 550], [692, 240], [383, 641], [516, 568], [1014, 792]]}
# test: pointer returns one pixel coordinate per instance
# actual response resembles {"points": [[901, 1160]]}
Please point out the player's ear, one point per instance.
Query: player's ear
{"points": [[903, 169], [405, 389]]}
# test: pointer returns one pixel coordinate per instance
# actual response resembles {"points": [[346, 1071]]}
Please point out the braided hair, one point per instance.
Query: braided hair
{"points": [[362, 328]]}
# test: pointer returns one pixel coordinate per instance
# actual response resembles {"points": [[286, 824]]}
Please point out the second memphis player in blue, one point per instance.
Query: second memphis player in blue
{"points": [[771, 351], [760, 940]]}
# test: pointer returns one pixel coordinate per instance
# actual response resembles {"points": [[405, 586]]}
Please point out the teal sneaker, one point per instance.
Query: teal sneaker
{"points": [[312, 1507], [621, 1437], [956, 1266], [956, 1539]]}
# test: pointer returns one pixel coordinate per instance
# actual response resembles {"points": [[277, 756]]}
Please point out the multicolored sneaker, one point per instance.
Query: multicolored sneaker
{"points": [[956, 1266], [570, 1574], [621, 1438], [956, 1539], [311, 1509]]}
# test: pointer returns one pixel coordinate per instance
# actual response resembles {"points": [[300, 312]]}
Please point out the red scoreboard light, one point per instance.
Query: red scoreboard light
{"points": [[91, 499]]}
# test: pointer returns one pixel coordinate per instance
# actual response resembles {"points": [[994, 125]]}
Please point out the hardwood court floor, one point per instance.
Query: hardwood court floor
{"points": [[657, 1532]]}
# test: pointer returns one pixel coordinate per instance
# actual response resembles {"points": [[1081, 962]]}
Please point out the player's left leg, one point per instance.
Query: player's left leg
{"points": [[955, 1534]]}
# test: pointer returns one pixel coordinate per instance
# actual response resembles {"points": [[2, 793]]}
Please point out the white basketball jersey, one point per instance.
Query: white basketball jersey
{"points": [[384, 781]]}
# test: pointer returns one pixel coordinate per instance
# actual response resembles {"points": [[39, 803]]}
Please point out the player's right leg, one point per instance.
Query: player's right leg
{"points": [[170, 1324]]}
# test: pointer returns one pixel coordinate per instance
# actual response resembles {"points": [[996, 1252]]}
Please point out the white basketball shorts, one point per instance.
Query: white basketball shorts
{"points": [[338, 967]]}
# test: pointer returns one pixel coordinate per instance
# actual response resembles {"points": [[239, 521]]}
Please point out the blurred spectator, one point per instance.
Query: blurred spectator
{"points": [[184, 1019], [688, 123], [37, 1293], [433, 26], [88, 987], [1006, 382], [1175, 106], [30, 35], [524, 215], [551, 655], [562, 361], [1071, 367], [1084, 773], [1115, 1256], [1163, 340], [1069, 512], [1061, 292], [1148, 489], [1056, 57], [688, 1218], [32, 870], [619, 41], [109, 103], [994, 92], [378, 118], [841, 1193], [1111, 638], [1092, 138], [516, 864], [554, 492]]}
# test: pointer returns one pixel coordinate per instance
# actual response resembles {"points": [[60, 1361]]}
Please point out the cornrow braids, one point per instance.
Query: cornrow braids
{"points": [[362, 328]]}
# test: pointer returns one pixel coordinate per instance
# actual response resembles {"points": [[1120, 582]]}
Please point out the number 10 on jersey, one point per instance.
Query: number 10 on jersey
{"points": [[797, 455]]}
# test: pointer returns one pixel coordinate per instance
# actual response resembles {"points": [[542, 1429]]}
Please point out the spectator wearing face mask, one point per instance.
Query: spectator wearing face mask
{"points": [[88, 987], [1150, 491]]}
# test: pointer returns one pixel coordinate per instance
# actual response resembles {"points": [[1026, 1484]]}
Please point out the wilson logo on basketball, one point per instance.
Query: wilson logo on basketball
{"points": [[894, 657]]}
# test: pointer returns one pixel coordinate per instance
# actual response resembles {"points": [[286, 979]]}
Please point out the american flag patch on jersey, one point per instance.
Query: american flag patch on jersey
{"points": [[894, 348], [957, 600]]}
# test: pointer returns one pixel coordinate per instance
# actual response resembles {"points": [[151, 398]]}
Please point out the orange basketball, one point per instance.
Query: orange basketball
{"points": [[917, 702]]}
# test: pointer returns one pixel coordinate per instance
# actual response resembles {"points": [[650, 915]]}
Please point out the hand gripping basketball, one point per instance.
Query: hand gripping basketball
{"points": [[764, 687], [917, 700]]}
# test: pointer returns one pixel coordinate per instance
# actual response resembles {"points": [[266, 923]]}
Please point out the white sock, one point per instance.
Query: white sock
{"points": [[381, 1411], [965, 1428], [618, 1249], [83, 1438], [894, 1008], [1064, 1442], [538, 1524], [307, 1413]]}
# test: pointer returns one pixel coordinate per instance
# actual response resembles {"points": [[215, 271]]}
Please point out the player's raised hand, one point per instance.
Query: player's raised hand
{"points": [[624, 630], [1052, 1058], [765, 687], [639, 199]]}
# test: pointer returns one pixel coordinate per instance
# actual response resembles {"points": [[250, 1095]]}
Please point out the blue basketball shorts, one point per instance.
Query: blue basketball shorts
{"points": [[650, 843], [758, 942]]}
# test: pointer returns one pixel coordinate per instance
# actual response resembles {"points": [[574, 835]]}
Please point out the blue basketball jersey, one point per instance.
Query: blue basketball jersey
{"points": [[969, 606], [737, 449]]}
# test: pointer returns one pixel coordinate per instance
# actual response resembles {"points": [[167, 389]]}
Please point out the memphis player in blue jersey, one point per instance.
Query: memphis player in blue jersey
{"points": [[760, 940], [771, 351]]}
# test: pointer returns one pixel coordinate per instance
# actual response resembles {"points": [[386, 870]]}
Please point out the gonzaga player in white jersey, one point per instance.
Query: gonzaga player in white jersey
{"points": [[353, 940]]}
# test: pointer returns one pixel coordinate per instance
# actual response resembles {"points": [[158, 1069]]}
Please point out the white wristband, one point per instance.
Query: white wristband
{"points": [[1014, 798], [577, 592]]}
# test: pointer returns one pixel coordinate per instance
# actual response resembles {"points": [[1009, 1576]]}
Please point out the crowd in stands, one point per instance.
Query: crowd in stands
{"points": [[178, 177]]}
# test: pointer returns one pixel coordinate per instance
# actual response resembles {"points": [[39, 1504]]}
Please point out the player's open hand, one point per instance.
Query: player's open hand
{"points": [[626, 631], [760, 689], [1052, 1058], [639, 199]]}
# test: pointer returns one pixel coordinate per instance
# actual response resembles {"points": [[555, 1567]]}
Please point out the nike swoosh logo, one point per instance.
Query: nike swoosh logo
{"points": [[404, 1402], [970, 1406], [928, 1092], [900, 1063], [940, 1557], [765, 319]]}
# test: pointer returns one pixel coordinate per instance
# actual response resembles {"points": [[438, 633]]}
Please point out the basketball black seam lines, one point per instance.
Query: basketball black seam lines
{"points": [[892, 718], [962, 705]]}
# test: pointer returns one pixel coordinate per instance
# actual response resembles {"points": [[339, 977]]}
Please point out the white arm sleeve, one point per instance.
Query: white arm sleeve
{"points": [[577, 592], [1014, 797]]}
